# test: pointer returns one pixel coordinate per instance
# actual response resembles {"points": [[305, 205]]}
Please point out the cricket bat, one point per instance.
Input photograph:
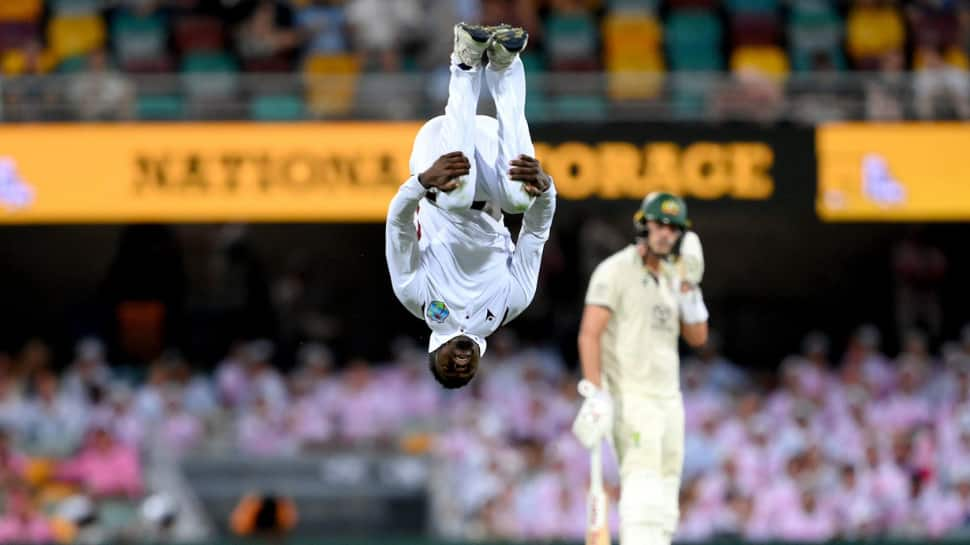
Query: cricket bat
{"points": [[597, 522]]}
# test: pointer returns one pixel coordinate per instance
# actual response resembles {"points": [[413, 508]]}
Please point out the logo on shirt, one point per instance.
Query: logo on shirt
{"points": [[662, 315], [437, 311], [489, 316]]}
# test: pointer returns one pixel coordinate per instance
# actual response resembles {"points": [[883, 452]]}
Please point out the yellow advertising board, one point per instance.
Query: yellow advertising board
{"points": [[893, 172], [215, 172], [201, 172]]}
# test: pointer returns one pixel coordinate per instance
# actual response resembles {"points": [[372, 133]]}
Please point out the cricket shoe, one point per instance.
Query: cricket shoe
{"points": [[471, 42], [506, 44]]}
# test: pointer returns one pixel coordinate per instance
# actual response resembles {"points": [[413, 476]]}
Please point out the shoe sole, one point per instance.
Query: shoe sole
{"points": [[476, 32], [513, 40]]}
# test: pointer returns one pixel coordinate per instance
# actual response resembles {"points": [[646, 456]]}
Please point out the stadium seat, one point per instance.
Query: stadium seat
{"points": [[74, 7], [194, 33], [210, 75], [632, 7], [758, 29], [693, 40], [752, 7], [768, 60], [139, 38], [953, 56], [15, 35], [628, 37], [579, 107], [276, 108], [693, 4], [20, 11], [72, 65], [571, 42], [159, 107], [325, 96], [70, 36], [871, 32], [13, 62]]}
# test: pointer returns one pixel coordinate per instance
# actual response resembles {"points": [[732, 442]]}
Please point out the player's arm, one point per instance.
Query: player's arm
{"points": [[591, 328], [536, 225], [401, 236], [693, 315], [602, 300]]}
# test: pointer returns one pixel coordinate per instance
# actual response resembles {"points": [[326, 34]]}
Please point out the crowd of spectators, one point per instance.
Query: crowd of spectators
{"points": [[213, 42], [867, 445]]}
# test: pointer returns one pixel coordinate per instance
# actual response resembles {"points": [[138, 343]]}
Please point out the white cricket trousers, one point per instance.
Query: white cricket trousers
{"points": [[488, 145]]}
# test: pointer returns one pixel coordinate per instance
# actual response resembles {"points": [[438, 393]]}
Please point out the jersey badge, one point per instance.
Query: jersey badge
{"points": [[438, 311]]}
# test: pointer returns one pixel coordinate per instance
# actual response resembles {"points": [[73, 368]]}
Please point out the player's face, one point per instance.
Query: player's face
{"points": [[458, 359], [661, 237]]}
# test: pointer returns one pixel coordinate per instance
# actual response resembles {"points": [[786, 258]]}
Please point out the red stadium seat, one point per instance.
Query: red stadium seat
{"points": [[199, 33], [754, 30], [16, 35]]}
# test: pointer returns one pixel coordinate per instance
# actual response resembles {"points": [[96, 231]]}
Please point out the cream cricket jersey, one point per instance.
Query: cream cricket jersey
{"points": [[639, 345], [460, 271]]}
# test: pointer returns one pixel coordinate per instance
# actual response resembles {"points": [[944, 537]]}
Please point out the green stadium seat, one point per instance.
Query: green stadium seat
{"points": [[693, 40], [579, 107], [572, 42], [637, 7], [75, 7], [815, 28], [276, 108], [752, 6], [208, 74], [139, 38], [73, 65], [159, 107]]}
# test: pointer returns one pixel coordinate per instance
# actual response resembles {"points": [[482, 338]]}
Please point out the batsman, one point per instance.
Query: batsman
{"points": [[639, 302]]}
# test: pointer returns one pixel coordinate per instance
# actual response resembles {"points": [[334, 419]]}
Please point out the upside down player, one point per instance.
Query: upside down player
{"points": [[451, 258], [637, 306]]}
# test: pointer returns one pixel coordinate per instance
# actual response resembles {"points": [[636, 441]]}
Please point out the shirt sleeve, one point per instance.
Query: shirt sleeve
{"points": [[524, 268], [602, 289], [402, 249]]}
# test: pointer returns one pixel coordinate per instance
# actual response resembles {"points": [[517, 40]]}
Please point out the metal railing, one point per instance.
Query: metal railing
{"points": [[801, 98]]}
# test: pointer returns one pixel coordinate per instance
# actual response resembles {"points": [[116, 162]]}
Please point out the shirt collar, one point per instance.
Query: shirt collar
{"points": [[437, 339]]}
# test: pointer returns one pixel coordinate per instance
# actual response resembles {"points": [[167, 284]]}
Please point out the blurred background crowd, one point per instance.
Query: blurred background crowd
{"points": [[808, 60], [840, 443]]}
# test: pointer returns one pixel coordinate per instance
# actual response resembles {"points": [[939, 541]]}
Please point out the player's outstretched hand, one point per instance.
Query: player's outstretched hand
{"points": [[444, 172], [527, 170]]}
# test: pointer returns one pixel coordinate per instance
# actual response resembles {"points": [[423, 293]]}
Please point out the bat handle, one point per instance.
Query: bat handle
{"points": [[596, 467]]}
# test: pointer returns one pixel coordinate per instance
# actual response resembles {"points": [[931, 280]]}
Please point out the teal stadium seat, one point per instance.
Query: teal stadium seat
{"points": [[74, 7], [73, 65], [159, 107], [536, 104], [579, 107], [572, 42], [210, 74], [139, 38], [814, 27], [752, 7], [693, 40], [276, 108], [632, 7]]}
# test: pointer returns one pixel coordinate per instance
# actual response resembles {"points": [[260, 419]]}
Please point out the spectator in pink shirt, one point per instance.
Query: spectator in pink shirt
{"points": [[873, 364], [105, 467], [180, 431], [264, 430], [22, 522], [806, 522]]}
